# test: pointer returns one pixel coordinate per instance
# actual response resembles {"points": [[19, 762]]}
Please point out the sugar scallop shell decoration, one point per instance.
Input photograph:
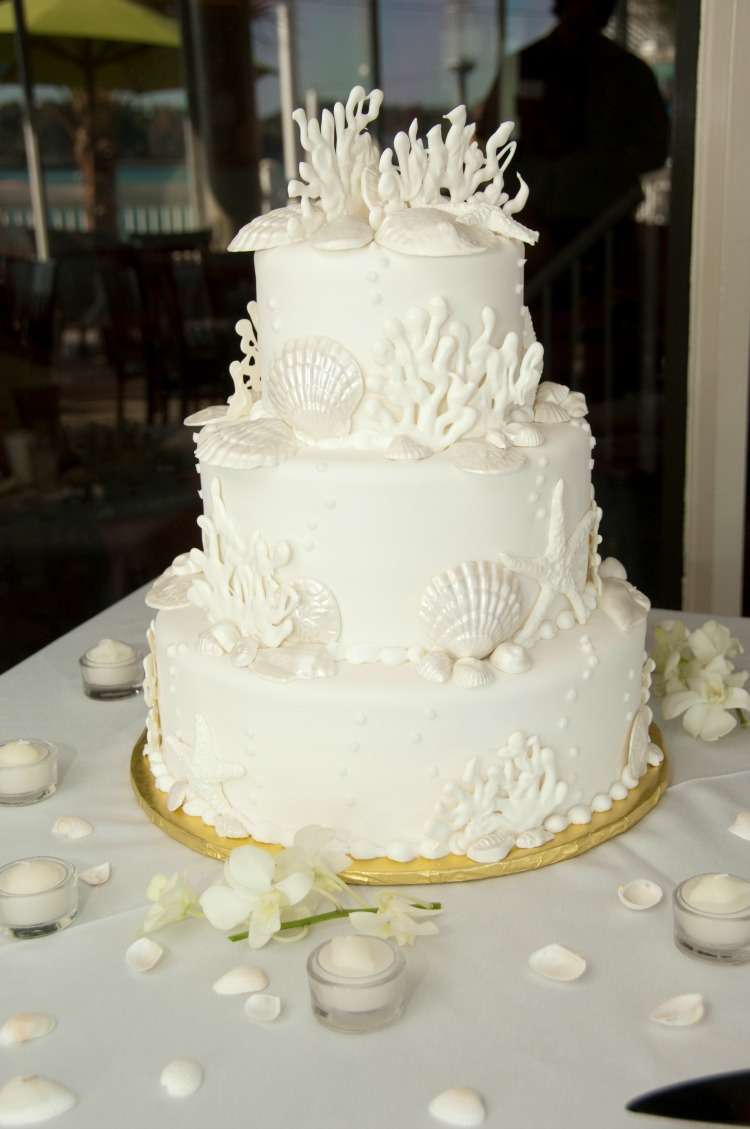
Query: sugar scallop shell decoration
{"points": [[680, 1011], [30, 1099], [277, 228], [241, 981], [314, 385], [472, 674], [431, 232], [555, 962], [470, 609], [459, 1107], [25, 1026], [435, 666], [182, 1077], [640, 894], [405, 449], [170, 591], [246, 445], [478, 457]]}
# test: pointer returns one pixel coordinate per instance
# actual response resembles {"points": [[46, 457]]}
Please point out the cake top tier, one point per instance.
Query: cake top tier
{"points": [[441, 196]]}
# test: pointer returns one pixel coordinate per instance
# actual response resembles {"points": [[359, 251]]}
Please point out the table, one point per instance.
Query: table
{"points": [[542, 1054]]}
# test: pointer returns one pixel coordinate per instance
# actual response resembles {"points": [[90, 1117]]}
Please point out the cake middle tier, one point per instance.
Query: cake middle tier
{"points": [[376, 532]]}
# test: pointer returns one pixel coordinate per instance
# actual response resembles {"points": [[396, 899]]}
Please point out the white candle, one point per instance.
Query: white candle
{"points": [[28, 770], [36, 893], [111, 666], [357, 983], [712, 915]]}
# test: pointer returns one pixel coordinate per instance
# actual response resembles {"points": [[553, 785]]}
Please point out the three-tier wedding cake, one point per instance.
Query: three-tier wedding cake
{"points": [[398, 624]]}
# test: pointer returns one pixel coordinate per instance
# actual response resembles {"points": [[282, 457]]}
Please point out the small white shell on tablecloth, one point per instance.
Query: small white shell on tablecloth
{"points": [[407, 450], [479, 457], [640, 894], [71, 827], [143, 954], [240, 981], [96, 875], [460, 1107], [472, 674], [29, 1099], [555, 962], [24, 1026], [435, 666], [246, 445], [741, 825], [182, 1077], [680, 1011], [263, 1007]]}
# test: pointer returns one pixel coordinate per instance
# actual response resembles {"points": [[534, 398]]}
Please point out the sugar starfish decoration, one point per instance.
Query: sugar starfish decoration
{"points": [[555, 571]]}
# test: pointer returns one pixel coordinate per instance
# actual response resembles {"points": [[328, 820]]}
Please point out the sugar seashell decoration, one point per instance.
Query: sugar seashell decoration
{"points": [[143, 955], [511, 658], [240, 981], [278, 228], [316, 618], [177, 795], [182, 1077], [30, 1099], [741, 825], [314, 385], [640, 894], [431, 231], [25, 1026], [480, 457], [470, 609], [96, 875], [680, 1011], [492, 847], [294, 660], [472, 674], [71, 827], [170, 591], [215, 414], [555, 962], [347, 233], [246, 445], [262, 1008], [404, 449], [244, 653], [435, 666], [459, 1106]]}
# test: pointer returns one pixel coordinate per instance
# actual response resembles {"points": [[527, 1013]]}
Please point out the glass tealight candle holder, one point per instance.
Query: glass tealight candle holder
{"points": [[111, 669], [712, 917], [28, 770], [37, 896], [357, 983]]}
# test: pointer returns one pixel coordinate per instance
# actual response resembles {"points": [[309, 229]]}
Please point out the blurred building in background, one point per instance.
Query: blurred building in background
{"points": [[162, 127]]}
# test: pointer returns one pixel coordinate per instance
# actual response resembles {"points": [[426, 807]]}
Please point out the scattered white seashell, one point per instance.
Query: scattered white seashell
{"points": [[170, 591], [316, 618], [460, 1107], [182, 1077], [472, 674], [536, 837], [246, 445], [741, 825], [215, 414], [435, 666], [406, 450], [680, 1011], [471, 608], [277, 228], [96, 875], [30, 1099], [244, 653], [314, 385], [24, 1026], [295, 660], [71, 827], [479, 457], [492, 847], [511, 658], [640, 894], [431, 231], [242, 980], [262, 1007], [346, 233], [177, 795], [143, 954], [557, 963]]}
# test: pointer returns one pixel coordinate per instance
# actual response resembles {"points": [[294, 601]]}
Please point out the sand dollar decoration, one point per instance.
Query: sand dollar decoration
{"points": [[479, 457], [470, 609], [314, 385]]}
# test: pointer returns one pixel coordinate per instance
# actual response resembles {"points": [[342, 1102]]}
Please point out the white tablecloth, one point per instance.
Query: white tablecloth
{"points": [[542, 1054]]}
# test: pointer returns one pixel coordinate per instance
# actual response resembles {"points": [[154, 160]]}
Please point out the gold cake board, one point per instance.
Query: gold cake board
{"points": [[192, 832]]}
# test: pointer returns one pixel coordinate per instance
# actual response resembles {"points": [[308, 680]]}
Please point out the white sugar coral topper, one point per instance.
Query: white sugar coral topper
{"points": [[441, 196]]}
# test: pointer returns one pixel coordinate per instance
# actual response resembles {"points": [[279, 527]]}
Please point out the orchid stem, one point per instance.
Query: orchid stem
{"points": [[332, 915], [744, 719]]}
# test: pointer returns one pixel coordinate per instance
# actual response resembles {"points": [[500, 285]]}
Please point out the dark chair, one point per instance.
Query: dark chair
{"points": [[31, 290], [130, 351]]}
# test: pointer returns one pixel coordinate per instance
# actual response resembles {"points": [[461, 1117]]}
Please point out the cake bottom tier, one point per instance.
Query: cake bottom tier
{"points": [[400, 767]]}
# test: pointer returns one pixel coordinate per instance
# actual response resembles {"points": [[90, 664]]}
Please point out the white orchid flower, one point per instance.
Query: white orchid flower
{"points": [[396, 917], [713, 640], [174, 899], [251, 896], [315, 850], [670, 648], [707, 700]]}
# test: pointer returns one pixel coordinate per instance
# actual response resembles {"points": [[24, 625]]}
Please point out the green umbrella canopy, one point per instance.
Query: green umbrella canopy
{"points": [[116, 44]]}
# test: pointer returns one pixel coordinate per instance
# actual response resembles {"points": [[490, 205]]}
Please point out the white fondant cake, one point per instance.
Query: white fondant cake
{"points": [[398, 624]]}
